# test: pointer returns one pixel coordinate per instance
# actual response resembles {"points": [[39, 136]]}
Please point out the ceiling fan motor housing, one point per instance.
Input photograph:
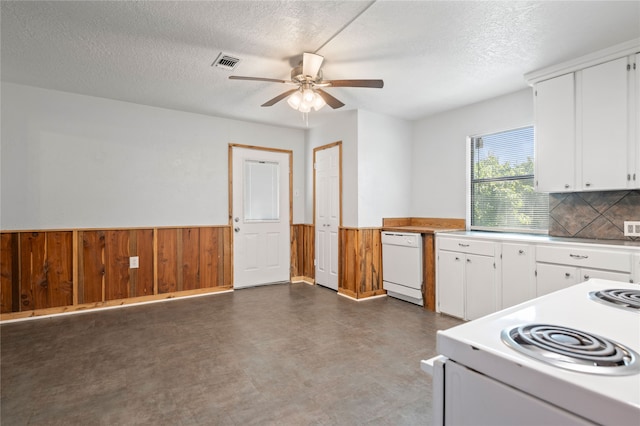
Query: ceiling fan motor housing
{"points": [[298, 76]]}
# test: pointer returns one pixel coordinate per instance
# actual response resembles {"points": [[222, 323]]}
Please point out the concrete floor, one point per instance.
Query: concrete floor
{"points": [[287, 354]]}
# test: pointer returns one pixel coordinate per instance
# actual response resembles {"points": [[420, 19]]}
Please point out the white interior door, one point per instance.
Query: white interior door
{"points": [[260, 217], [327, 220]]}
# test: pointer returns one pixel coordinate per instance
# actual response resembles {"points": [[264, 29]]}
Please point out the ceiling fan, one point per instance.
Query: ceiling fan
{"points": [[309, 93]]}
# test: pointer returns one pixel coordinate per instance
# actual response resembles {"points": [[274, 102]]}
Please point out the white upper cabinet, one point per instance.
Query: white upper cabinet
{"points": [[634, 117], [604, 94], [587, 122], [555, 134]]}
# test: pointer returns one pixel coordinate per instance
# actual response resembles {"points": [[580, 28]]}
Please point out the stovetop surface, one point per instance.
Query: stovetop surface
{"points": [[478, 345]]}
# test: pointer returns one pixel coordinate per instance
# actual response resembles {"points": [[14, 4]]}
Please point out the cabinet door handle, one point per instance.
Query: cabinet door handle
{"points": [[468, 260], [587, 184], [520, 251], [566, 186], [578, 256], [463, 245], [586, 277], [567, 274], [457, 258]]}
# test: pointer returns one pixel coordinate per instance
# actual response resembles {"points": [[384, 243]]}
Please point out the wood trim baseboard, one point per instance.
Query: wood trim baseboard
{"points": [[111, 303]]}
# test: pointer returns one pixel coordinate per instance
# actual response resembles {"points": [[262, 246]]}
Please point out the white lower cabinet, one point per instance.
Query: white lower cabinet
{"points": [[466, 281], [481, 291], [518, 273], [450, 286], [551, 277], [561, 267], [477, 276]]}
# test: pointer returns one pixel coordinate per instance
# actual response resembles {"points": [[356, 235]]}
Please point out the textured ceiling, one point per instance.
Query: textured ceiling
{"points": [[432, 55]]}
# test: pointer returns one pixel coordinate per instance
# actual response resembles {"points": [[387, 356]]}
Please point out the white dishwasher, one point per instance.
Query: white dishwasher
{"points": [[402, 265]]}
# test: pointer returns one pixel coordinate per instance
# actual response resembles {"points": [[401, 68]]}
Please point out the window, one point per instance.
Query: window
{"points": [[502, 184], [261, 194]]}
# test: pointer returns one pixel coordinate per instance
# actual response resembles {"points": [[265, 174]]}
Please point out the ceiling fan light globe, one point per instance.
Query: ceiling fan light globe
{"points": [[308, 95], [304, 107], [318, 103], [295, 100]]}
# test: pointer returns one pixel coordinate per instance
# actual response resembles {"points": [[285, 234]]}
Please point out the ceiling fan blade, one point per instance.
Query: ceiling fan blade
{"points": [[378, 84], [311, 64], [273, 80], [330, 100], [278, 98]]}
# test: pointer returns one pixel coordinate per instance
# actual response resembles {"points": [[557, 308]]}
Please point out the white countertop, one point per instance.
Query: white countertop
{"points": [[539, 238]]}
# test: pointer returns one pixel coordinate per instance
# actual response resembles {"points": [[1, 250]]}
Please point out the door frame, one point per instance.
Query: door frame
{"points": [[315, 151], [230, 159]]}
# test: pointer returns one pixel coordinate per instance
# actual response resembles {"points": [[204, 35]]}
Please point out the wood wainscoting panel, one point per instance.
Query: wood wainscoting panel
{"points": [[309, 250], [168, 260], [348, 262], [210, 256], [46, 269], [91, 266], [9, 272], [297, 248], [141, 278], [40, 270], [189, 276], [116, 284], [193, 258], [370, 257], [429, 271], [303, 252], [360, 271]]}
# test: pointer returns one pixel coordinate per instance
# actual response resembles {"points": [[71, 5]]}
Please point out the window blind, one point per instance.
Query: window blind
{"points": [[502, 184]]}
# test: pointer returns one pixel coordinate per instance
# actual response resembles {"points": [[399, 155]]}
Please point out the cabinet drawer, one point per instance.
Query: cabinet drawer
{"points": [[585, 257], [467, 245]]}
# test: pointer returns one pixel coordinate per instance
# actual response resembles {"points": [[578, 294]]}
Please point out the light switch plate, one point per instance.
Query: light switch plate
{"points": [[134, 262], [631, 228]]}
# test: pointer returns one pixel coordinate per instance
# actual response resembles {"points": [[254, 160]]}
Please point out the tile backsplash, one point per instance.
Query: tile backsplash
{"points": [[597, 215]]}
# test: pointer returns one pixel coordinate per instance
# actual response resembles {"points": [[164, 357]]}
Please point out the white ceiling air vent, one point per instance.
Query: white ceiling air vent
{"points": [[225, 61]]}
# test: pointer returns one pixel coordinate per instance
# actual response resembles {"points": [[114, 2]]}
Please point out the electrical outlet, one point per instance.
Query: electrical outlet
{"points": [[134, 262], [631, 228]]}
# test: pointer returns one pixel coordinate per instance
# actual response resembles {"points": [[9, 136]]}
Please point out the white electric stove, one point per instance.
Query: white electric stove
{"points": [[491, 370]]}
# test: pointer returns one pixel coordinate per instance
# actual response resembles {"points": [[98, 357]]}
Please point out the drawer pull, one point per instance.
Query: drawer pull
{"points": [[457, 258], [463, 245], [586, 277], [567, 274], [468, 260], [520, 251], [579, 256]]}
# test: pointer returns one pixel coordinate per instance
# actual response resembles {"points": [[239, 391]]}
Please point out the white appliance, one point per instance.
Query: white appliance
{"points": [[491, 371], [402, 265]]}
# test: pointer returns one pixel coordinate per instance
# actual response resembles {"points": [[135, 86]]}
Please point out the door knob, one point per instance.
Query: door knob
{"points": [[237, 229], [237, 219]]}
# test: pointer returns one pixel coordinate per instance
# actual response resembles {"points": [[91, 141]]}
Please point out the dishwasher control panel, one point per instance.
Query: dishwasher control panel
{"points": [[402, 239]]}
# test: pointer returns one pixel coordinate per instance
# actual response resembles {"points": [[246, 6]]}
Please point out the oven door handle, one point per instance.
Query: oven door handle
{"points": [[435, 367], [428, 365]]}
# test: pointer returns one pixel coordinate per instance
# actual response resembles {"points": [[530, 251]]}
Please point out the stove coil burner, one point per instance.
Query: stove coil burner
{"points": [[572, 349], [619, 297]]}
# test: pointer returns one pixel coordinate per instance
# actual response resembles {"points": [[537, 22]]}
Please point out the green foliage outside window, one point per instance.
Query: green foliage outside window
{"points": [[502, 184]]}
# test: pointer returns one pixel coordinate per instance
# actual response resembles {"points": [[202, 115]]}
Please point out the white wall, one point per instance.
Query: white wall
{"points": [[439, 150], [343, 127], [384, 168], [76, 161]]}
